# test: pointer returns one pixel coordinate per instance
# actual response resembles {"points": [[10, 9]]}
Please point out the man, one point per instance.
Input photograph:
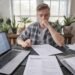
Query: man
{"points": [[42, 31]]}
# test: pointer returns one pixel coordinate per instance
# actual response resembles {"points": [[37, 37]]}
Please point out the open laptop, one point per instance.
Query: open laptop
{"points": [[9, 59]]}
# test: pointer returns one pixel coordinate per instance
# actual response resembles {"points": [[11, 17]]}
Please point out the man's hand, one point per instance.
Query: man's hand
{"points": [[27, 43], [44, 23]]}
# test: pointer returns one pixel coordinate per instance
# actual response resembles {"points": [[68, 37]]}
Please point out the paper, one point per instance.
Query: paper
{"points": [[42, 65], [71, 46], [45, 49], [71, 62]]}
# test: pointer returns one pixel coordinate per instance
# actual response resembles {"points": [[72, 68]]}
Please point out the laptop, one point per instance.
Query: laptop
{"points": [[10, 58]]}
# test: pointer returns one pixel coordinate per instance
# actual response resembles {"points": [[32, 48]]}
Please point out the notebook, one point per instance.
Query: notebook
{"points": [[69, 63]]}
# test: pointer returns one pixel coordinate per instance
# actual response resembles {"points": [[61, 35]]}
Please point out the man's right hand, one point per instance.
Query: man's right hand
{"points": [[27, 43]]}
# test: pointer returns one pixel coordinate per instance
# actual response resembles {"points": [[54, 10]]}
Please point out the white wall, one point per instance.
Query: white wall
{"points": [[73, 14], [4, 8], [73, 7]]}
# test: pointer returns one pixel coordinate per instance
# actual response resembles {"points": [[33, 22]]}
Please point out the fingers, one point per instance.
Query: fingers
{"points": [[44, 23], [27, 43], [24, 45]]}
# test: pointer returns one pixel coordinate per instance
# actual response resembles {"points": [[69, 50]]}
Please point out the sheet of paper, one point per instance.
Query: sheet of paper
{"points": [[42, 65], [45, 49], [71, 46], [71, 62]]}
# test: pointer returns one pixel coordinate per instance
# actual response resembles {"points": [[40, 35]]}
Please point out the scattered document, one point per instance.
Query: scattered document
{"points": [[71, 64], [71, 46], [42, 65], [45, 49]]}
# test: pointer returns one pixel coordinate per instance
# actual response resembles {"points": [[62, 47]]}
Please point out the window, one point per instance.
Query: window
{"points": [[58, 9], [24, 8], [27, 8]]}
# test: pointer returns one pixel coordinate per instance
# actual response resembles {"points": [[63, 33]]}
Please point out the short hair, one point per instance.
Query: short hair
{"points": [[42, 6]]}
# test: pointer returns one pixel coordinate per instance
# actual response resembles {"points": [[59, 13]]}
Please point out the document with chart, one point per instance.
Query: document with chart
{"points": [[45, 49], [42, 65]]}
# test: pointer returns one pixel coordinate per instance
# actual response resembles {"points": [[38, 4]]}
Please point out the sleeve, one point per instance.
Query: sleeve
{"points": [[25, 34]]}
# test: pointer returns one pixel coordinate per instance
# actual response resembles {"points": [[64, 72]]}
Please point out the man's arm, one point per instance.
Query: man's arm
{"points": [[57, 37], [23, 38]]}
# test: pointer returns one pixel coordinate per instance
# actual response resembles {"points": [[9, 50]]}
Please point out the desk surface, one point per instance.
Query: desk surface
{"points": [[64, 70], [20, 69]]}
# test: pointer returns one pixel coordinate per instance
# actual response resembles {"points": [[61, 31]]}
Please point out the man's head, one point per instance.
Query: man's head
{"points": [[43, 12]]}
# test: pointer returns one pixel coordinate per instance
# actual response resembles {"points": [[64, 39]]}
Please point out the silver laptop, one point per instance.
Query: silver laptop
{"points": [[9, 59]]}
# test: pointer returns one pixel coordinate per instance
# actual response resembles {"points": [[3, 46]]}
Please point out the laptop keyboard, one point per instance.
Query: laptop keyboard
{"points": [[4, 60]]}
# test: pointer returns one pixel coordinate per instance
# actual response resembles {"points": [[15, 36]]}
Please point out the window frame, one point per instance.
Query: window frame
{"points": [[42, 1]]}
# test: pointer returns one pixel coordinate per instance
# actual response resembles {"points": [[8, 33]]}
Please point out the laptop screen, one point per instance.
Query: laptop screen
{"points": [[4, 44]]}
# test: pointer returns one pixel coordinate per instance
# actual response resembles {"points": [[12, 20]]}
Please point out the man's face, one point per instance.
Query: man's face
{"points": [[43, 15]]}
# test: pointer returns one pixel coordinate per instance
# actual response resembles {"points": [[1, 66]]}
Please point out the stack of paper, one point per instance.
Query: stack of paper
{"points": [[42, 65], [46, 49], [70, 64]]}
